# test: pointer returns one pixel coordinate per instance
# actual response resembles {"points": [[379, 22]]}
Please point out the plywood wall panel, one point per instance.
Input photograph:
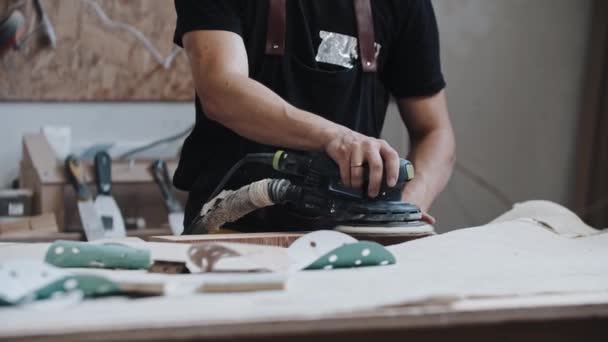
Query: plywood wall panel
{"points": [[93, 62]]}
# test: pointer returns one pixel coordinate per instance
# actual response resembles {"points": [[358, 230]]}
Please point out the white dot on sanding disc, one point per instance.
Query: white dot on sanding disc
{"points": [[333, 258], [70, 284], [384, 262], [358, 262], [365, 252], [328, 267], [59, 250]]}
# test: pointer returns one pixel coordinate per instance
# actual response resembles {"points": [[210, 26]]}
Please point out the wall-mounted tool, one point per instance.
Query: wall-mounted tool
{"points": [[176, 212], [12, 28], [113, 223], [91, 221], [48, 36]]}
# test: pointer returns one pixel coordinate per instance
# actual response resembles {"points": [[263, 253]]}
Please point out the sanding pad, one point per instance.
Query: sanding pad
{"points": [[11, 29], [402, 229]]}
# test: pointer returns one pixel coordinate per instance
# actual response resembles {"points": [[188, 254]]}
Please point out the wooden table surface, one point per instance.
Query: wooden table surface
{"points": [[552, 318]]}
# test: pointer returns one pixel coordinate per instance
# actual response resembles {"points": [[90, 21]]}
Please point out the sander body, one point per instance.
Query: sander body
{"points": [[319, 192]]}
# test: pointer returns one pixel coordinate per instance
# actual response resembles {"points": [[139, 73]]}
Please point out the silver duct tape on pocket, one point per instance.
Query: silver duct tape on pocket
{"points": [[339, 49]]}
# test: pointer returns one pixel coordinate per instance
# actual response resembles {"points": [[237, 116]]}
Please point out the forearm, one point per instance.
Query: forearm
{"points": [[433, 157], [219, 64], [253, 111], [432, 147]]}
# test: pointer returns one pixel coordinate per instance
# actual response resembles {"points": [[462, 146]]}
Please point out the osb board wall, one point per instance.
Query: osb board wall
{"points": [[93, 62]]}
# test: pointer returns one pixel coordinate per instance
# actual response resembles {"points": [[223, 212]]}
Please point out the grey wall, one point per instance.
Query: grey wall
{"points": [[514, 70]]}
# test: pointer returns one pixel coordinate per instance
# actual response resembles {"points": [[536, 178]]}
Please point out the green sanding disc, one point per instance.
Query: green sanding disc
{"points": [[84, 254], [358, 254], [88, 285]]}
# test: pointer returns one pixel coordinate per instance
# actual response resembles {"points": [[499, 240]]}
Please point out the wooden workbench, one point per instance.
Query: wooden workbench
{"points": [[536, 273], [560, 318]]}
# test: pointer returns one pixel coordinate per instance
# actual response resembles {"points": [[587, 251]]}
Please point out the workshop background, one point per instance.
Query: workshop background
{"points": [[518, 74]]}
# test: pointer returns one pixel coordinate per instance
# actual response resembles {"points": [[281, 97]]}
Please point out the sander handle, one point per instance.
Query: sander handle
{"points": [[303, 164]]}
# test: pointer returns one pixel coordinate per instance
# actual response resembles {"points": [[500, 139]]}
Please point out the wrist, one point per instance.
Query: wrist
{"points": [[415, 192], [326, 134]]}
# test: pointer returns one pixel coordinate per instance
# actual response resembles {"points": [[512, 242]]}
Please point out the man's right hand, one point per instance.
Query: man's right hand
{"points": [[351, 150]]}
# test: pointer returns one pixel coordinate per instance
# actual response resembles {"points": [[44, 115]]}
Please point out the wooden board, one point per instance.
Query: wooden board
{"points": [[92, 61], [267, 239], [278, 239]]}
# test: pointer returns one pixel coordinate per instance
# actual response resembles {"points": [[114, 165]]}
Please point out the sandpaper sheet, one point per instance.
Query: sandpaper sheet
{"points": [[521, 255]]}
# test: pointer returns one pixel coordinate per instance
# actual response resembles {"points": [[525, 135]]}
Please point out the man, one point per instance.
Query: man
{"points": [[315, 76]]}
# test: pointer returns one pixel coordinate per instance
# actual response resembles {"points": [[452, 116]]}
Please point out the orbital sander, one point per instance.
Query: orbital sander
{"points": [[312, 186]]}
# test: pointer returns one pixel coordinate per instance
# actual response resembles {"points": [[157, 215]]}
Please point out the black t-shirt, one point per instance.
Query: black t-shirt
{"points": [[407, 53]]}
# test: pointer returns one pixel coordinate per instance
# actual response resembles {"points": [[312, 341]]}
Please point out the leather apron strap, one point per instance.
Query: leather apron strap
{"points": [[365, 28], [275, 35]]}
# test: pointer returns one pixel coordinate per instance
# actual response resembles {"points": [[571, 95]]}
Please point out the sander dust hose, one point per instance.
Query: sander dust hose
{"points": [[231, 205]]}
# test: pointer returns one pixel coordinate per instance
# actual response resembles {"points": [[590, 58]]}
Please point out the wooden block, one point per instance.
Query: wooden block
{"points": [[28, 225], [14, 226], [44, 223]]}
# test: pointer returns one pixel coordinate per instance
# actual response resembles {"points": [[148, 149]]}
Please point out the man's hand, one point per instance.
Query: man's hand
{"points": [[352, 150], [432, 148]]}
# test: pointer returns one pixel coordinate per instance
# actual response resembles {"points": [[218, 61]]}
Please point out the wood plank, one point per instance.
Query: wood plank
{"points": [[280, 239], [268, 239]]}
